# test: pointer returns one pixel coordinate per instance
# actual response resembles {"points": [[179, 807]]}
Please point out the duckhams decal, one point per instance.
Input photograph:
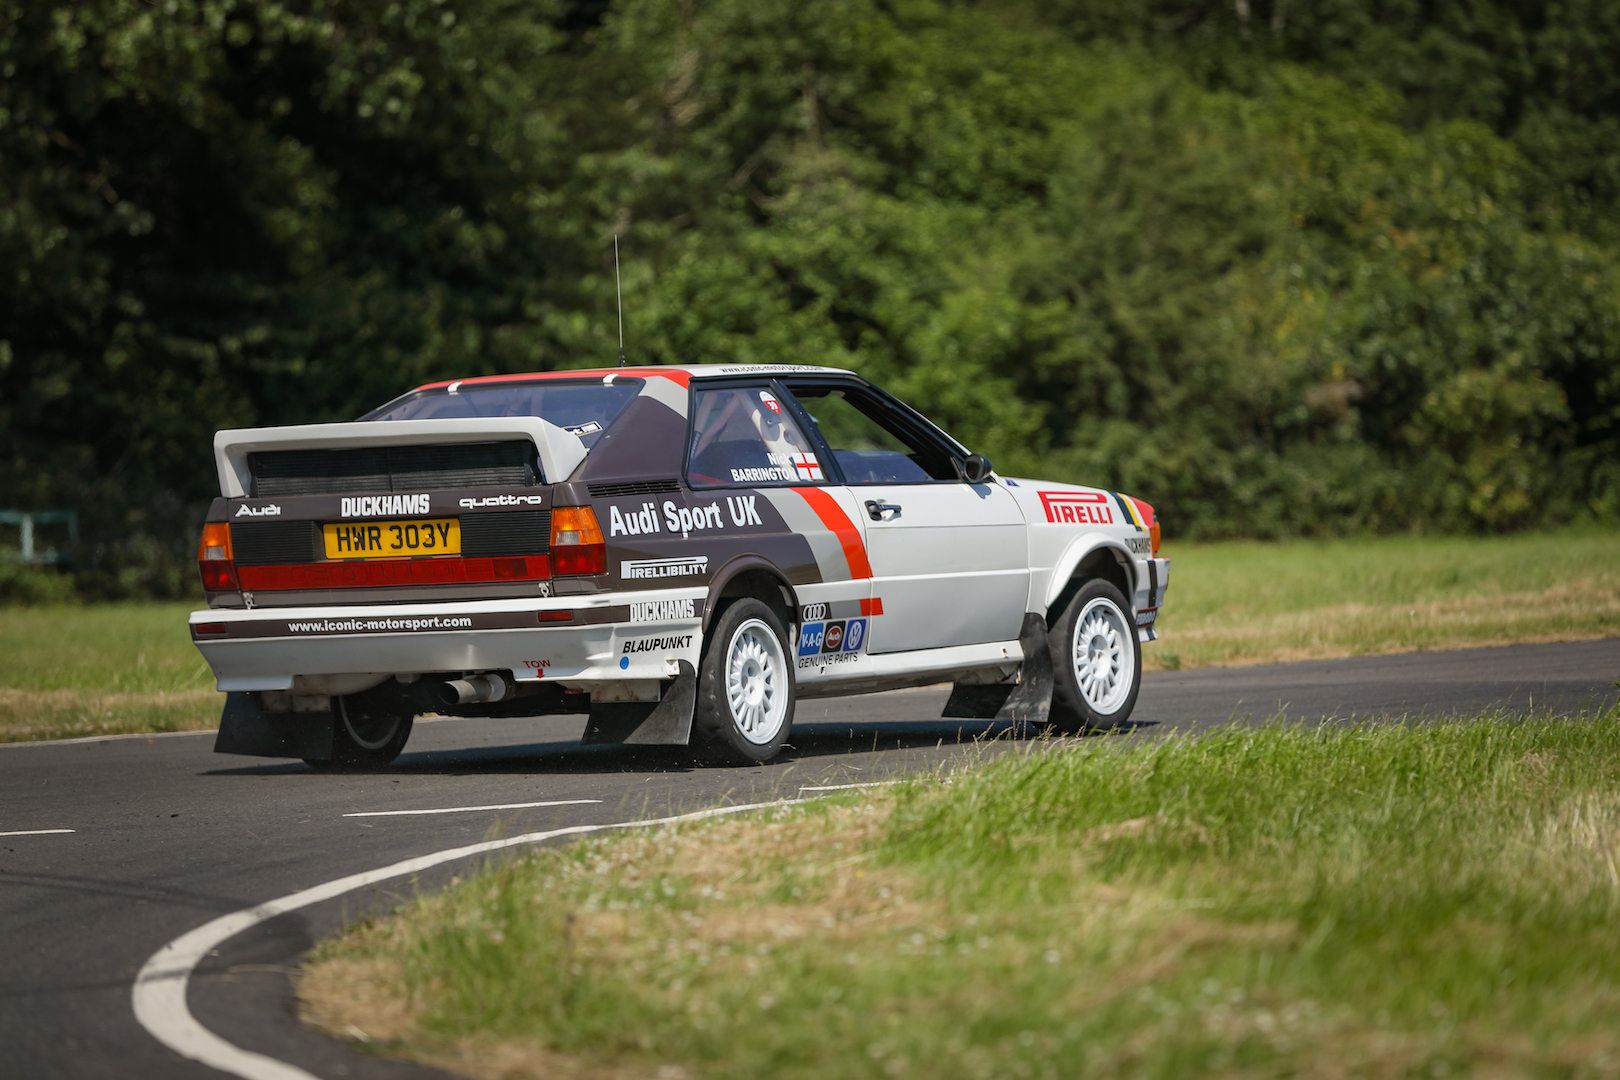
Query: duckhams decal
{"points": [[1077, 508], [663, 611], [385, 505]]}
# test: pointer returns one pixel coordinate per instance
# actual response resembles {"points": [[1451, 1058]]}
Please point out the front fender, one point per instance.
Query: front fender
{"points": [[1077, 551]]}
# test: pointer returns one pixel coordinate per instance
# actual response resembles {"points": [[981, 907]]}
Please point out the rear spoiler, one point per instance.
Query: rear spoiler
{"points": [[560, 453]]}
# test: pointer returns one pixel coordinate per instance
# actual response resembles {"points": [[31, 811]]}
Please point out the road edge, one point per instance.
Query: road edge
{"points": [[159, 993]]}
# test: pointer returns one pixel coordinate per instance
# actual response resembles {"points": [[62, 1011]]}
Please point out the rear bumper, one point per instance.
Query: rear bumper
{"points": [[624, 636]]}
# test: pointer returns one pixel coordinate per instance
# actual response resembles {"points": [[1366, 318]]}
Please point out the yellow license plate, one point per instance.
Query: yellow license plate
{"points": [[393, 539]]}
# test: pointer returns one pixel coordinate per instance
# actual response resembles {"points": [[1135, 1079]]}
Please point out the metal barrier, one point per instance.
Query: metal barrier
{"points": [[25, 520]]}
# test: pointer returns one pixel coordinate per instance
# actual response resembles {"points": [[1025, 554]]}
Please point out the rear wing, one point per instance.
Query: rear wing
{"points": [[560, 453]]}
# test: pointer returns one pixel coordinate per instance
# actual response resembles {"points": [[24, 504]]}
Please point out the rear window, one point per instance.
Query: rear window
{"points": [[585, 408]]}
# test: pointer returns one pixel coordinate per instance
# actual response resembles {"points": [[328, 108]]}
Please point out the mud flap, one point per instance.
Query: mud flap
{"points": [[1026, 703], [245, 728], [666, 722]]}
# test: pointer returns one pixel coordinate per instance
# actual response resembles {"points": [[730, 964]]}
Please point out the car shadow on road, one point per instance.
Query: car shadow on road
{"points": [[810, 743]]}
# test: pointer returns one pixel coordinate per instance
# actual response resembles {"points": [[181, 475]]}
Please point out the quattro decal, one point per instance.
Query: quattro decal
{"points": [[504, 500]]}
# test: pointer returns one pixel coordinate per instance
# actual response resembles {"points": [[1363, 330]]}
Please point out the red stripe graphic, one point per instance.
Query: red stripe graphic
{"points": [[832, 515], [873, 606]]}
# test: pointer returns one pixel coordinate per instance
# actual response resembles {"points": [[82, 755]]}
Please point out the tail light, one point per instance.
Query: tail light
{"points": [[214, 560], [577, 546]]}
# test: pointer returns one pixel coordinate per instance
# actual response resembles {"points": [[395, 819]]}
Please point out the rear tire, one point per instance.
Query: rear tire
{"points": [[1096, 661], [365, 735], [746, 690]]}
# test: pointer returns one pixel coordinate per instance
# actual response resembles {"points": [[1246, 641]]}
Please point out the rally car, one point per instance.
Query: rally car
{"points": [[678, 553]]}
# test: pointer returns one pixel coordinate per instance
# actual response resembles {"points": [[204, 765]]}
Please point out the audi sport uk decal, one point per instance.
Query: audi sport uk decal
{"points": [[740, 509]]}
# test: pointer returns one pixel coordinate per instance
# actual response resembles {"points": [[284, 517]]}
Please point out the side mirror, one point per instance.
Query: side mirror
{"points": [[976, 469]]}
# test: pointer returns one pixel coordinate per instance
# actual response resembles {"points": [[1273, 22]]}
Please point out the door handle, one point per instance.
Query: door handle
{"points": [[875, 510]]}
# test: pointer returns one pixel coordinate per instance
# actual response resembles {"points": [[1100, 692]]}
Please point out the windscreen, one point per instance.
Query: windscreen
{"points": [[585, 409]]}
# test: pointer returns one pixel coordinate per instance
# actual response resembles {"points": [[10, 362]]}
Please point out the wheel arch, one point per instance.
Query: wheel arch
{"points": [[750, 575], [1090, 556]]}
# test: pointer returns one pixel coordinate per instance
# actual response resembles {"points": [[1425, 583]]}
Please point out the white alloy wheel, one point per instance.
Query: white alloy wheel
{"points": [[755, 673], [1103, 655]]}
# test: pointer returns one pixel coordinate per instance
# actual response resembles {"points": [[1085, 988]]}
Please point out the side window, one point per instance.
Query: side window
{"points": [[871, 448], [745, 435]]}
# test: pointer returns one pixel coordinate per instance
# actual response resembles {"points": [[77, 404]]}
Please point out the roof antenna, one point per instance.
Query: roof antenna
{"points": [[619, 285]]}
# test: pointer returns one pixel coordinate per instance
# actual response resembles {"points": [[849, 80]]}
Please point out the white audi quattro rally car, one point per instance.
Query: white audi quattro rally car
{"points": [[678, 553]]}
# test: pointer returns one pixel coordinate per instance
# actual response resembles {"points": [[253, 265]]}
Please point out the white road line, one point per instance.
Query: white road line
{"points": [[36, 832], [846, 787], [111, 738], [159, 995], [469, 809]]}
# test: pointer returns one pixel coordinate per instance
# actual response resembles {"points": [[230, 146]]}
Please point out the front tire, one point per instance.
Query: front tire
{"points": [[365, 735], [746, 690], [1096, 661]]}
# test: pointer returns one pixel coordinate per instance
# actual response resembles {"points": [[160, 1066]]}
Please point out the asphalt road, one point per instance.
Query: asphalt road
{"points": [[167, 835]]}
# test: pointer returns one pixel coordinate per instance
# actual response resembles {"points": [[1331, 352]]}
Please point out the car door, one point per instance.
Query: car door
{"points": [[949, 559], [748, 448]]}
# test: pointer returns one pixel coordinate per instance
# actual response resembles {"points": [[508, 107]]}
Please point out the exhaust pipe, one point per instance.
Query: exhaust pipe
{"points": [[474, 688]]}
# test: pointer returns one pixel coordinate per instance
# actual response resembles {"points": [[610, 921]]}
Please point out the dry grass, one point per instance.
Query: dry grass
{"points": [[1382, 901], [1583, 610], [357, 997], [1240, 603], [30, 715]]}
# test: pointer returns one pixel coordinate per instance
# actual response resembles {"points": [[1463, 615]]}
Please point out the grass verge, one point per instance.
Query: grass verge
{"points": [[106, 669], [1251, 603], [101, 670], [1371, 900]]}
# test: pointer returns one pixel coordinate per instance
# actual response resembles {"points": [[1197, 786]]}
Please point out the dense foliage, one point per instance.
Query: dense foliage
{"points": [[1306, 266]]}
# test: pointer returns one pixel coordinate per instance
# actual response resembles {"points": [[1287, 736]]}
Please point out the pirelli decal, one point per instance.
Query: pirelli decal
{"points": [[1079, 508]]}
